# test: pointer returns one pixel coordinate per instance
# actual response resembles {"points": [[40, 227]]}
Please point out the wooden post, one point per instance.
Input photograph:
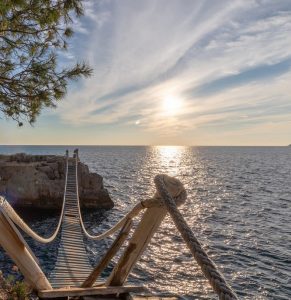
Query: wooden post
{"points": [[148, 225], [17, 249], [109, 255], [99, 292]]}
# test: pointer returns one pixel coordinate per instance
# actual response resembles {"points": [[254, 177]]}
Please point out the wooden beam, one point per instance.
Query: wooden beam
{"points": [[150, 297], [78, 292], [147, 227], [18, 250], [109, 255]]}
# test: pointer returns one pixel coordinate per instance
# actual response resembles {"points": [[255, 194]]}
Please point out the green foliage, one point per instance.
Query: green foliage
{"points": [[11, 289], [31, 33]]}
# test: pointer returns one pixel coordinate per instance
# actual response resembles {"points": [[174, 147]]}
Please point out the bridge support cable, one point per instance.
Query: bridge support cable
{"points": [[13, 243], [209, 269], [129, 216], [17, 220], [73, 268]]}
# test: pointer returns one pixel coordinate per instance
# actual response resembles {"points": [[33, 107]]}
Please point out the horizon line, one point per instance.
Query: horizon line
{"points": [[132, 145]]}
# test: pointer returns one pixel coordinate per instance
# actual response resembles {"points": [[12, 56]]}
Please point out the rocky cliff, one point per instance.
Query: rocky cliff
{"points": [[38, 181]]}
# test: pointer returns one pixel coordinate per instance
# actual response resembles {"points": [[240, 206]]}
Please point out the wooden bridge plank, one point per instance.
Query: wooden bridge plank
{"points": [[72, 266], [78, 292]]}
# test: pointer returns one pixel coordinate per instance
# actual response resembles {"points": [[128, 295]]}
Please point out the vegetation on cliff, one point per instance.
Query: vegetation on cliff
{"points": [[12, 289]]}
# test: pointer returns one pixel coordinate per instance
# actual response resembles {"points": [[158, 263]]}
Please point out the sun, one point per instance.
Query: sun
{"points": [[171, 105]]}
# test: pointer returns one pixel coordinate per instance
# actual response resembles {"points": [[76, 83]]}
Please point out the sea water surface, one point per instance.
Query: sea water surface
{"points": [[238, 206]]}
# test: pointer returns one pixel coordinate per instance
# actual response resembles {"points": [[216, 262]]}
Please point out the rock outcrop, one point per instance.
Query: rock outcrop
{"points": [[38, 181]]}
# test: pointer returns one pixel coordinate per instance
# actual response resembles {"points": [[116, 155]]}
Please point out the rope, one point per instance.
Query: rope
{"points": [[5, 206], [8, 209], [215, 278], [170, 192], [129, 216], [134, 212], [10, 212], [155, 201]]}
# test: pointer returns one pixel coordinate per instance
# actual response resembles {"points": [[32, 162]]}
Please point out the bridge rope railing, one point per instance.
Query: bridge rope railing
{"points": [[170, 194], [17, 220], [135, 211], [208, 267], [129, 216]]}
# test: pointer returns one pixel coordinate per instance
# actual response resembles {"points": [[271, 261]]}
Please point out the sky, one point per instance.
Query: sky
{"points": [[173, 72]]}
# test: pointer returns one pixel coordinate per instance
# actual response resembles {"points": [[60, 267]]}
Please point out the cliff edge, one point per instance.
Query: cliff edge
{"points": [[38, 181]]}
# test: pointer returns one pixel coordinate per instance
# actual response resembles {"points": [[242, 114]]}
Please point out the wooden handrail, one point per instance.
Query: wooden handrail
{"points": [[19, 251], [142, 235], [120, 239]]}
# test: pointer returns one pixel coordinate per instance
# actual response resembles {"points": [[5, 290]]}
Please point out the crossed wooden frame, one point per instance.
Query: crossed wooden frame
{"points": [[19, 251]]}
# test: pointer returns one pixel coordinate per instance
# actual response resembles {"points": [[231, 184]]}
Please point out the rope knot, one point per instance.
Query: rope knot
{"points": [[169, 189], [171, 185]]}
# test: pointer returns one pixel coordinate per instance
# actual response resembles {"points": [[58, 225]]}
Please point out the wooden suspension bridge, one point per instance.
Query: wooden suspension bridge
{"points": [[73, 275]]}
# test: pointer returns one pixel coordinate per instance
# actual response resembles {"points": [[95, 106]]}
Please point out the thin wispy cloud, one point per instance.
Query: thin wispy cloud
{"points": [[227, 64]]}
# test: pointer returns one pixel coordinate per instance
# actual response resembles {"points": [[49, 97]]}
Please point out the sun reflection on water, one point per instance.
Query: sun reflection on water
{"points": [[167, 259], [230, 208], [169, 158]]}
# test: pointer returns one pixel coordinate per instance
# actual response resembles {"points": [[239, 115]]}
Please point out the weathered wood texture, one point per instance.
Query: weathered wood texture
{"points": [[78, 292], [109, 255], [72, 266], [147, 227], [150, 297], [18, 250], [73, 275]]}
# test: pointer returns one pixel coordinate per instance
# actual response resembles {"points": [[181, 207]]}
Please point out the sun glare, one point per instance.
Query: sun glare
{"points": [[171, 105], [170, 158]]}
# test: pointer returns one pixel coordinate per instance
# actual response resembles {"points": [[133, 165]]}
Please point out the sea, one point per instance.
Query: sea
{"points": [[238, 206]]}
